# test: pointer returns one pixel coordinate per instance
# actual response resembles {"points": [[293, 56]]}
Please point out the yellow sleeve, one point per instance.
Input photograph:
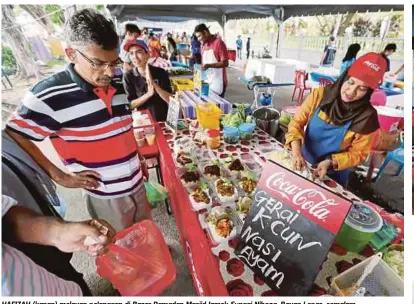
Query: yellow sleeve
{"points": [[356, 154], [300, 120]]}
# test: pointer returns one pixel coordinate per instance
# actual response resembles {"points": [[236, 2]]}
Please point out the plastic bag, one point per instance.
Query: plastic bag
{"points": [[155, 193]]}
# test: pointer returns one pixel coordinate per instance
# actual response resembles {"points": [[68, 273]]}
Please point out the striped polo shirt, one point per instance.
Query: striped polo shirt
{"points": [[90, 129], [23, 277]]}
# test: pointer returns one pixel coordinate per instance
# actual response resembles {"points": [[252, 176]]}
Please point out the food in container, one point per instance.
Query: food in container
{"points": [[359, 227], [190, 177], [394, 257], [246, 130], [213, 139], [235, 166], [243, 205], [231, 135], [247, 184], [200, 197], [150, 139], [220, 225], [184, 159], [212, 171], [225, 190]]}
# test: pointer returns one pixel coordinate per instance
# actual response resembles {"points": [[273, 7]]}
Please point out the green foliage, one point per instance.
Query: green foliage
{"points": [[57, 18], [7, 58], [362, 27], [100, 7]]}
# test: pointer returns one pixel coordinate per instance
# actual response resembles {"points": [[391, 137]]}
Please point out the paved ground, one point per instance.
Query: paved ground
{"points": [[389, 196]]}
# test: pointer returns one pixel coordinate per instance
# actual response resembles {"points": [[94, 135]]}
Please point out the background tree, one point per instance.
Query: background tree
{"points": [[362, 27], [40, 15], [18, 43], [57, 16]]}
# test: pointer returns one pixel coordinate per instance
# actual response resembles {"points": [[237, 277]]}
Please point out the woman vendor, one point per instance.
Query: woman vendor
{"points": [[340, 121]]}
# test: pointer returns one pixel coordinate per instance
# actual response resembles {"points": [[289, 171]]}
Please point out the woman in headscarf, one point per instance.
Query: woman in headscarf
{"points": [[171, 47], [340, 121], [350, 57]]}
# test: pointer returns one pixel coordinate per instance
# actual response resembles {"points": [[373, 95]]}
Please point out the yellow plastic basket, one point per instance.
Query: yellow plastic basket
{"points": [[209, 115], [183, 84]]}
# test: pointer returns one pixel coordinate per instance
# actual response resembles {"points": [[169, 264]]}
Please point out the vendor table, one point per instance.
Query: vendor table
{"points": [[216, 271]]}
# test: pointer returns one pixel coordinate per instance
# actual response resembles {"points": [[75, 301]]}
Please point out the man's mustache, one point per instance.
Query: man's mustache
{"points": [[106, 78]]}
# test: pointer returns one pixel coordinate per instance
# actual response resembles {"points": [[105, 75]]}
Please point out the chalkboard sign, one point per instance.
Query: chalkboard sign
{"points": [[290, 228], [173, 114]]}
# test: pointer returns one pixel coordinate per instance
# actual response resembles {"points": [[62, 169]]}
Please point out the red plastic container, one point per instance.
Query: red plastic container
{"points": [[139, 263]]}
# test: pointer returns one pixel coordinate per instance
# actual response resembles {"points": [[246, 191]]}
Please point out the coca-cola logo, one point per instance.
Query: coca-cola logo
{"points": [[372, 65], [312, 200]]}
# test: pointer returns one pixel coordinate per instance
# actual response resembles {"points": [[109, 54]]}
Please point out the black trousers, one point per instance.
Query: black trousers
{"points": [[248, 53]]}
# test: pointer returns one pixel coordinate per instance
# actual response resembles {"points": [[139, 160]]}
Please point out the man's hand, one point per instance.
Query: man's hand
{"points": [[205, 66], [71, 237], [144, 169], [322, 169], [84, 179]]}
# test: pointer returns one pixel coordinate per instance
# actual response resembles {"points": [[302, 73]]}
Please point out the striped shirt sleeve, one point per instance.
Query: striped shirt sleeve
{"points": [[33, 119]]}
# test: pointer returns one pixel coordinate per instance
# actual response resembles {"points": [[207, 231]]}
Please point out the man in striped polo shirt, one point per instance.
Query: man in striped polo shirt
{"points": [[87, 117]]}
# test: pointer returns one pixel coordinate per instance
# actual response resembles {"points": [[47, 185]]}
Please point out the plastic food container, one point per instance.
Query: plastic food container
{"points": [[210, 177], [141, 142], [150, 139], [220, 213], [287, 114], [226, 199], [189, 185], [196, 206], [382, 281], [246, 130], [388, 256], [359, 227], [139, 263], [139, 133], [231, 135], [213, 139]]}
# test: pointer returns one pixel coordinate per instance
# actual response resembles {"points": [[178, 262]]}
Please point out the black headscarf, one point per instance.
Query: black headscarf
{"points": [[363, 115]]}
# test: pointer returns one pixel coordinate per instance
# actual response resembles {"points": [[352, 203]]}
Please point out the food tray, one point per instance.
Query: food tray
{"points": [[221, 212], [204, 164], [233, 174], [242, 192], [178, 165]]}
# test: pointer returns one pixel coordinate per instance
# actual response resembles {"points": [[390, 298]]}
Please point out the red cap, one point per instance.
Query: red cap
{"points": [[369, 68], [136, 42]]}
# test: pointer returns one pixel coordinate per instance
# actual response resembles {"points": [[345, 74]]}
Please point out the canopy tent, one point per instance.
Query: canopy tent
{"points": [[177, 13], [224, 13]]}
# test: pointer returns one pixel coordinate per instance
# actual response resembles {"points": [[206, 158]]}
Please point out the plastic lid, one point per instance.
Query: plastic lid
{"points": [[246, 127], [231, 131], [364, 218], [213, 133], [290, 109]]}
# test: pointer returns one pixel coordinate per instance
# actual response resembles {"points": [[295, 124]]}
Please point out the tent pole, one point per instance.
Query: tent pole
{"points": [[223, 25]]}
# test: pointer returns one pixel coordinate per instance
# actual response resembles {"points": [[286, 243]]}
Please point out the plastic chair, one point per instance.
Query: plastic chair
{"points": [[396, 156], [323, 82], [300, 83]]}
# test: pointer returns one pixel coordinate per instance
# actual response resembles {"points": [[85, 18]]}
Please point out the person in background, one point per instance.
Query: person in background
{"points": [[388, 51], [239, 44], [85, 97], [195, 51], [214, 59], [164, 52], [350, 57], [171, 47], [147, 87], [335, 126], [184, 38], [177, 38], [131, 32], [328, 57], [154, 46], [248, 48], [21, 275], [144, 36]]}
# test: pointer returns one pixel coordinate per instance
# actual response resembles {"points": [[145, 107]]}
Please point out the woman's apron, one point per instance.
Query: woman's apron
{"points": [[214, 75], [323, 139]]}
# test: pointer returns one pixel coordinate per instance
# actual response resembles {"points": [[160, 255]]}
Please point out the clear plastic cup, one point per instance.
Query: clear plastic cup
{"points": [[150, 139]]}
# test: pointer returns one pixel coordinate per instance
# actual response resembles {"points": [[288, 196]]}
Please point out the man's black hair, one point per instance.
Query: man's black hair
{"points": [[201, 28], [132, 28], [151, 34], [390, 47], [90, 27]]}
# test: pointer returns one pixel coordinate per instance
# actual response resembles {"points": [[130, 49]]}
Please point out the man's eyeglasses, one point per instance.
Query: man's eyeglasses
{"points": [[102, 65]]}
